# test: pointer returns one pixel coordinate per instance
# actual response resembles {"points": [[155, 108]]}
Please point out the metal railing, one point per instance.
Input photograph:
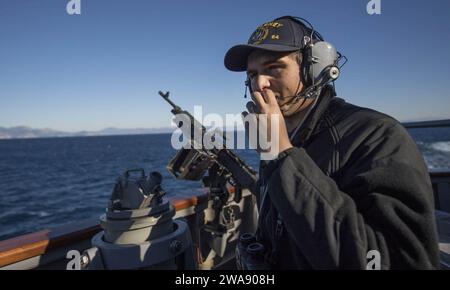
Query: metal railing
{"points": [[427, 124]]}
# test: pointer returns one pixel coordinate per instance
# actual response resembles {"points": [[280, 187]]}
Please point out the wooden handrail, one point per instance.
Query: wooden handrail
{"points": [[38, 243], [31, 245], [183, 203]]}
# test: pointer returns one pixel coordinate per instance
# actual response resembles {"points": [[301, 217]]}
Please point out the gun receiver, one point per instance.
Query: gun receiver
{"points": [[191, 164]]}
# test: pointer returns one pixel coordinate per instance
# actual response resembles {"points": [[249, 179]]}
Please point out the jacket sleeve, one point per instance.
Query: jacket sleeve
{"points": [[386, 205]]}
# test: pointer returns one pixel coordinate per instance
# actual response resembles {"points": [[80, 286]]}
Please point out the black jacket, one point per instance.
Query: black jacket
{"points": [[354, 182]]}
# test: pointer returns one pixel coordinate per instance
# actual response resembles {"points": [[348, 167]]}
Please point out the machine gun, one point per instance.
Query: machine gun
{"points": [[191, 164], [223, 217]]}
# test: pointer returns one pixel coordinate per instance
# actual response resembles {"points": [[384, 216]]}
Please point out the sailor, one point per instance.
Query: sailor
{"points": [[346, 181]]}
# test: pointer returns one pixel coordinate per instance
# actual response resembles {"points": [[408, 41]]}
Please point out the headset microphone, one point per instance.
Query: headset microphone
{"points": [[247, 84]]}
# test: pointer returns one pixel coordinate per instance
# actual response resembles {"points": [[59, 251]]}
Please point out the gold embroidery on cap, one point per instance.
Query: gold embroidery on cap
{"points": [[272, 24], [275, 36], [262, 32], [259, 35]]}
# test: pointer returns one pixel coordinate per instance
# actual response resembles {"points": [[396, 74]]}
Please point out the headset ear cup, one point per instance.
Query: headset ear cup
{"points": [[320, 64]]}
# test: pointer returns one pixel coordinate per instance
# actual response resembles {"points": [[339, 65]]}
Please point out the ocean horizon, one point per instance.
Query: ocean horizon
{"points": [[50, 182]]}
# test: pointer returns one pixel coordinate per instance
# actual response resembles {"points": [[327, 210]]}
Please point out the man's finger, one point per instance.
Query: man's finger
{"points": [[259, 100], [270, 97]]}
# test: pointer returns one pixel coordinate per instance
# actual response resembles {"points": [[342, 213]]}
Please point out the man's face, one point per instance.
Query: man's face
{"points": [[279, 72]]}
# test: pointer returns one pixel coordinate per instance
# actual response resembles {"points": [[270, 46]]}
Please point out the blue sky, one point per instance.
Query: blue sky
{"points": [[103, 68]]}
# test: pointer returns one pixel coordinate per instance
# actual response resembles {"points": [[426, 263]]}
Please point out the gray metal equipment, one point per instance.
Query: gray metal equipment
{"points": [[323, 60], [139, 231], [250, 254]]}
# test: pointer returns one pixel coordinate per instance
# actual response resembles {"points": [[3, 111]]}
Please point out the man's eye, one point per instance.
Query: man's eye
{"points": [[275, 68]]}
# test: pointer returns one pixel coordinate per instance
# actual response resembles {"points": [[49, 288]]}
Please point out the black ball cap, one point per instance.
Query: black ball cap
{"points": [[283, 34]]}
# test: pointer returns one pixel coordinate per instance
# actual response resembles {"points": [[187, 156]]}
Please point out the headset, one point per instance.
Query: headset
{"points": [[320, 63]]}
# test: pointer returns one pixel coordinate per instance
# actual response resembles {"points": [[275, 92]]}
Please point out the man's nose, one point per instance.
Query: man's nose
{"points": [[260, 83]]}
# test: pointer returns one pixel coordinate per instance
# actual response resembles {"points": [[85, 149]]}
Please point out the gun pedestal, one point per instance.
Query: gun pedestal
{"points": [[139, 231]]}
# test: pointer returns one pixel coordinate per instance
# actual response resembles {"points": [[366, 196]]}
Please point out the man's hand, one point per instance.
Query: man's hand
{"points": [[265, 105]]}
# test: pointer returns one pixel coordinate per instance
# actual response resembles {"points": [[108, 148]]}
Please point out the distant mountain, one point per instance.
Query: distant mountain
{"points": [[22, 132]]}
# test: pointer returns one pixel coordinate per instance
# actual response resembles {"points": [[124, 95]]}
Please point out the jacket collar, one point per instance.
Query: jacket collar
{"points": [[312, 120]]}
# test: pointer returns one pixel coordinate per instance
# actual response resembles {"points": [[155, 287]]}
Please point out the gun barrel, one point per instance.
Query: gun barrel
{"points": [[166, 97]]}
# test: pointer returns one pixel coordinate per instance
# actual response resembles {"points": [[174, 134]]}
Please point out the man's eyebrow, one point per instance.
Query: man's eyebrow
{"points": [[272, 61]]}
